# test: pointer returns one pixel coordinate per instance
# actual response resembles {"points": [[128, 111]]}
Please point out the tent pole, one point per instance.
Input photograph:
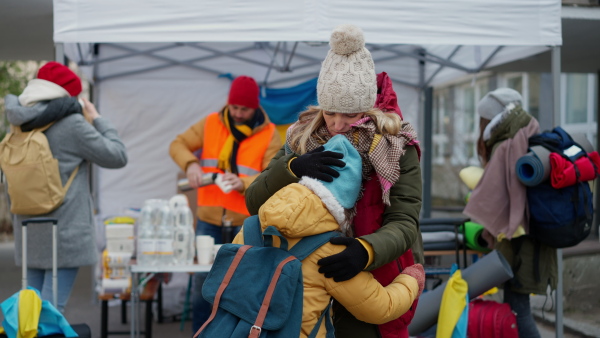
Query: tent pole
{"points": [[556, 121], [59, 53], [427, 138], [428, 153]]}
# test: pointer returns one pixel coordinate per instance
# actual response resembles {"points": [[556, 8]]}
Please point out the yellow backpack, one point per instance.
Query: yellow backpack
{"points": [[31, 172]]}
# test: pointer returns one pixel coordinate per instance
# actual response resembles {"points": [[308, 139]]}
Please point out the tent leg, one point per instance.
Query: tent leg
{"points": [[59, 53], [427, 157], [556, 117]]}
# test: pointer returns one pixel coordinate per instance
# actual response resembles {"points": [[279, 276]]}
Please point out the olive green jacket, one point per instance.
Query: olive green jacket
{"points": [[400, 229]]}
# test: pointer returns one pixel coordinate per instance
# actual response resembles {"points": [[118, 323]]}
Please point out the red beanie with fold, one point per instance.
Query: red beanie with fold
{"points": [[244, 92], [62, 76]]}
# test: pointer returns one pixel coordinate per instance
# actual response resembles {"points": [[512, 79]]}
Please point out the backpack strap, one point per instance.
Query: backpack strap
{"points": [[44, 128], [264, 308], [308, 244], [253, 231], [268, 234], [71, 178], [234, 264], [329, 329]]}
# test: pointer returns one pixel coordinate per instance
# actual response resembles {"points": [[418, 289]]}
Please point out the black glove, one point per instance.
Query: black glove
{"points": [[317, 164], [346, 264]]}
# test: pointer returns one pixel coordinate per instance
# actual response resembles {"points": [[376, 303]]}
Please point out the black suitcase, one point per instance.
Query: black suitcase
{"points": [[83, 330]]}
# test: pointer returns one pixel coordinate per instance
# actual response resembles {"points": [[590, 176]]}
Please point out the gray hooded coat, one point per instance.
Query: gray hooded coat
{"points": [[74, 142]]}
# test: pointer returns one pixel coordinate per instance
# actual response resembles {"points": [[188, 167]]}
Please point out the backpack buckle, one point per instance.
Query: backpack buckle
{"points": [[254, 327]]}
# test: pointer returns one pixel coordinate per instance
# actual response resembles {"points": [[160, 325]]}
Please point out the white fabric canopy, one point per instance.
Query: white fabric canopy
{"points": [[461, 22]]}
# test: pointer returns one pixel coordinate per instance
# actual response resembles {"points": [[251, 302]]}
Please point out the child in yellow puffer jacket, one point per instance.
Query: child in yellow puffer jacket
{"points": [[313, 207]]}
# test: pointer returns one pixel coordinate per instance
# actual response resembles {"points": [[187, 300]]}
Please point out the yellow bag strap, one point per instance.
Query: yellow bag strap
{"points": [[44, 128], [66, 187]]}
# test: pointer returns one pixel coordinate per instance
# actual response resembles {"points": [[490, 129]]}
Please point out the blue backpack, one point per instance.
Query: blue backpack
{"points": [[559, 218], [256, 289]]}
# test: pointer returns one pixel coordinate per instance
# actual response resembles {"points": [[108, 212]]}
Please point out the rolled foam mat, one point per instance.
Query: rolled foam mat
{"points": [[473, 237], [533, 168], [489, 271]]}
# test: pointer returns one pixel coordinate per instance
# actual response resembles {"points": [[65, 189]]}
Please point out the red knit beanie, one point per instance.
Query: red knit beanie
{"points": [[62, 76], [244, 92]]}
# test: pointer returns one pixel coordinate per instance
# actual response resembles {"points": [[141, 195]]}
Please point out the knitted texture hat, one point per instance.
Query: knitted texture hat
{"points": [[347, 82], [244, 92], [62, 76], [494, 102], [343, 191]]}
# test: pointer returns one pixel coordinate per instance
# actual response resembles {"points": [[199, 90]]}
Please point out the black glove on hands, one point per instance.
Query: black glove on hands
{"points": [[346, 264], [317, 164]]}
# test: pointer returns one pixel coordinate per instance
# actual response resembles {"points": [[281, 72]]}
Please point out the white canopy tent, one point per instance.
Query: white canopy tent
{"points": [[155, 64]]}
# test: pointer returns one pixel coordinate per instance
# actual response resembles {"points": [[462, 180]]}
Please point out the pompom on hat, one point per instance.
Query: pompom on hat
{"points": [[347, 81], [495, 102], [244, 92], [62, 76]]}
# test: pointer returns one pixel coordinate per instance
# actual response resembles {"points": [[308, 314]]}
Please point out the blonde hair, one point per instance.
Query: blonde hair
{"points": [[312, 119]]}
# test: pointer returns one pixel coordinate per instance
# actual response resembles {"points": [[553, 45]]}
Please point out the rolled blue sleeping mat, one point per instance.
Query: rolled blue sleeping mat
{"points": [[533, 168], [489, 271]]}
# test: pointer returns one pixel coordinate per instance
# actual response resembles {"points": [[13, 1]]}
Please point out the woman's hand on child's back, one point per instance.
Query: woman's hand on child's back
{"points": [[346, 264]]}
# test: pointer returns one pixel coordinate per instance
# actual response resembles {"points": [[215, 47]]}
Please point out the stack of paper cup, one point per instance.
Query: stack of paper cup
{"points": [[204, 249]]}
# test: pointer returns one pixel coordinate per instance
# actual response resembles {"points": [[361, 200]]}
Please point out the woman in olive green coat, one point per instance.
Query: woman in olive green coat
{"points": [[386, 224]]}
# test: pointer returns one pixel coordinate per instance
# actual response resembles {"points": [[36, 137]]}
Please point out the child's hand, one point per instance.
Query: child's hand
{"points": [[417, 272]]}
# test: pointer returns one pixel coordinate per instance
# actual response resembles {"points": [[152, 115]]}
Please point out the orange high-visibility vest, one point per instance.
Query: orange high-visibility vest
{"points": [[249, 162]]}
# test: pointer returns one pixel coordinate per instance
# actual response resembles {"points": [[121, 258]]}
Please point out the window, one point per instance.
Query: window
{"points": [[578, 104], [516, 83], [442, 128], [466, 122], [576, 98]]}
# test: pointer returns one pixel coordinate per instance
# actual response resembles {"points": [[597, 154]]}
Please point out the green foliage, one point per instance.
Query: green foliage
{"points": [[13, 79]]}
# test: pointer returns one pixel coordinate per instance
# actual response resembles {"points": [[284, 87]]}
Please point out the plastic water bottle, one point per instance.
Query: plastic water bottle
{"points": [[164, 234], [146, 234], [183, 245]]}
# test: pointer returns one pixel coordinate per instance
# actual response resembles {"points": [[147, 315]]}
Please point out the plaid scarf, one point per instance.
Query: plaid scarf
{"points": [[378, 152]]}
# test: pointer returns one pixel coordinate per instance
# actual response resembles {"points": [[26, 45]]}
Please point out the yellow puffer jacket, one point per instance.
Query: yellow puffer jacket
{"points": [[297, 212]]}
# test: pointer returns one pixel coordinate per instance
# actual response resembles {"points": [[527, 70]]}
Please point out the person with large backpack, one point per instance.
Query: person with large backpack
{"points": [[499, 202], [302, 214], [46, 161]]}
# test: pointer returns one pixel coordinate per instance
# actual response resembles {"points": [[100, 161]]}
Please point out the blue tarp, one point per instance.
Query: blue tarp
{"points": [[284, 104]]}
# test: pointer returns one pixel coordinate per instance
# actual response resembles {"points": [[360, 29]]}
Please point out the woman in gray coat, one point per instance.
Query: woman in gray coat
{"points": [[77, 138]]}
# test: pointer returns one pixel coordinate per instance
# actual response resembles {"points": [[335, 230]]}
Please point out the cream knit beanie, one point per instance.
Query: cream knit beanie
{"points": [[347, 81]]}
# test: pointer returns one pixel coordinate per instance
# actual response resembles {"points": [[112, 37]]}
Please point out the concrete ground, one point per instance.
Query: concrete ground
{"points": [[84, 308]]}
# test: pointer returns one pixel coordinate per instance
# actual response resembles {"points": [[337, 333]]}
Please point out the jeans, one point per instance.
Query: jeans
{"points": [[519, 303], [42, 280], [201, 308]]}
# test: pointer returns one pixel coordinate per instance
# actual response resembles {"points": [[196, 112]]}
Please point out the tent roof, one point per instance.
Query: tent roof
{"points": [[464, 22]]}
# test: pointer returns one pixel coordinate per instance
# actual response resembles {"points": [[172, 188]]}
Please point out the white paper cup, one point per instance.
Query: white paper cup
{"points": [[204, 249]]}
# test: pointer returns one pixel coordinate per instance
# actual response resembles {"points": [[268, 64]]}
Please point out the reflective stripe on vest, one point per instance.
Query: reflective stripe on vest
{"points": [[249, 162], [242, 170]]}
